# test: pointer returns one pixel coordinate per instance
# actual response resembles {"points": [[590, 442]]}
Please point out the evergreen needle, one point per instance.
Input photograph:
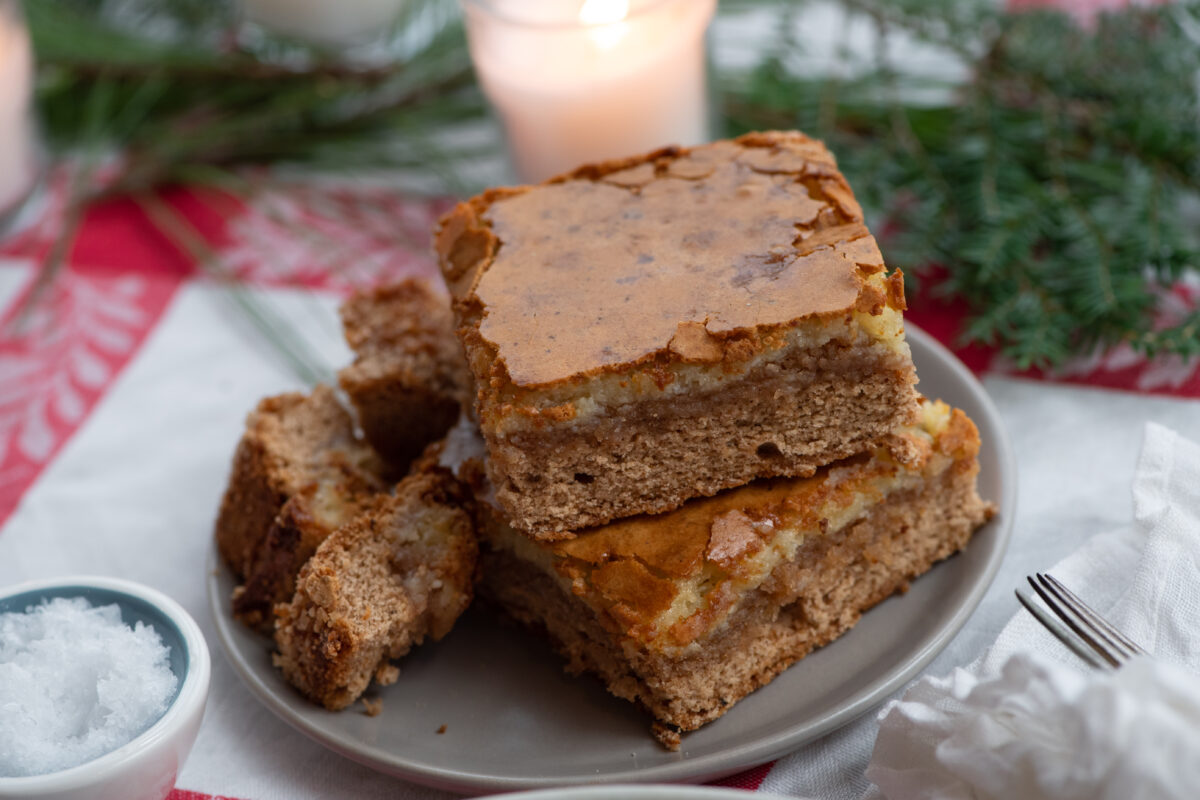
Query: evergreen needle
{"points": [[1055, 187]]}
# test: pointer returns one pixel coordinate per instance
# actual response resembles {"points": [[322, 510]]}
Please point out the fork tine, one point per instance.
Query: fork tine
{"points": [[1088, 618], [1083, 609], [1104, 651], [1059, 630]]}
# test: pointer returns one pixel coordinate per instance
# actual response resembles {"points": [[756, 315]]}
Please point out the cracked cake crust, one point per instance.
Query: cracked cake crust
{"points": [[681, 274]]}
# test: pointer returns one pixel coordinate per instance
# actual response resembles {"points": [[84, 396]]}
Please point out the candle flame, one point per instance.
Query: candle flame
{"points": [[605, 16], [603, 12]]}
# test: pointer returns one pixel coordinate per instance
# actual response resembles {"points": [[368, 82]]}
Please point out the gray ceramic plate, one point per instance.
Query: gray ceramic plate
{"points": [[514, 720]]}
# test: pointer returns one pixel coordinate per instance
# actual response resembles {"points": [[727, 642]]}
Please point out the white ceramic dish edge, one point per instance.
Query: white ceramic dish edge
{"points": [[144, 768]]}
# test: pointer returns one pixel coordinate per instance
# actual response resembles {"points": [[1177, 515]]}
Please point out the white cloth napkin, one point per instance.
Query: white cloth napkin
{"points": [[1025, 720]]}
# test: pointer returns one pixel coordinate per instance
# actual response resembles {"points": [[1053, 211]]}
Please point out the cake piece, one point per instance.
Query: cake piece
{"points": [[409, 380], [378, 586], [299, 473], [687, 612], [646, 331]]}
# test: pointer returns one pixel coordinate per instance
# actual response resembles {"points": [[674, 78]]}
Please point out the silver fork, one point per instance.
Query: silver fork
{"points": [[1086, 633]]}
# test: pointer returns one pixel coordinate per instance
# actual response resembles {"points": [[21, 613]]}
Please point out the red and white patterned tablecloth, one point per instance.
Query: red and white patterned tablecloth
{"points": [[122, 394], [129, 379]]}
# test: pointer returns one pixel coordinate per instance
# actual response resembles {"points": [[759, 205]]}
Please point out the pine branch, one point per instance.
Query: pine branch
{"points": [[176, 105], [1056, 188]]}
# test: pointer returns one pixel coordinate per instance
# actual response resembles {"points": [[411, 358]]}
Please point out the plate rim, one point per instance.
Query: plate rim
{"points": [[700, 768], [636, 791]]}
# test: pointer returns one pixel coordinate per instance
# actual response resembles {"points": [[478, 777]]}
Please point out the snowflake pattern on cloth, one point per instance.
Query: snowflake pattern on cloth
{"points": [[58, 360], [118, 281], [336, 238]]}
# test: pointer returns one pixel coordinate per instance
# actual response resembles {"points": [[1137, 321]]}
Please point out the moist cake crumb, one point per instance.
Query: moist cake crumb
{"points": [[409, 380], [377, 587], [299, 473], [387, 674], [685, 613]]}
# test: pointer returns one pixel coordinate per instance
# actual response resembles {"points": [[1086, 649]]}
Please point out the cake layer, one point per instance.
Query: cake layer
{"points": [[589, 304], [653, 456], [409, 380], [378, 586], [298, 474], [687, 612]]}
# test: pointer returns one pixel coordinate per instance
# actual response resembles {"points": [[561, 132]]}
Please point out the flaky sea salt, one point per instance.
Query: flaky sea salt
{"points": [[75, 683]]}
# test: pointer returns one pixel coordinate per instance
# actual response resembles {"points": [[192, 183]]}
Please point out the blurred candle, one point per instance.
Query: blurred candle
{"points": [[581, 80], [18, 153]]}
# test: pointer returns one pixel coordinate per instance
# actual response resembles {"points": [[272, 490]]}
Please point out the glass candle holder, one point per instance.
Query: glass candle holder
{"points": [[574, 81]]}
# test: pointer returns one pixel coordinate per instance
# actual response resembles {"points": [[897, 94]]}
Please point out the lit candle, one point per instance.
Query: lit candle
{"points": [[583, 80], [18, 153]]}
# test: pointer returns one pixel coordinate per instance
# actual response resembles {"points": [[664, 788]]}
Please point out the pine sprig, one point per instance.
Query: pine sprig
{"points": [[202, 94], [1056, 190]]}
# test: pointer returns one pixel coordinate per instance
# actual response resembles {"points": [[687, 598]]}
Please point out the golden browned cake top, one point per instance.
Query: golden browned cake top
{"points": [[672, 577], [689, 253]]}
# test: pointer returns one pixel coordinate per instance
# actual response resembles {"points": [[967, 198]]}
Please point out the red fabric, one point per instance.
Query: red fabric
{"points": [[184, 794], [57, 360], [121, 272], [1119, 368], [751, 779], [945, 320]]}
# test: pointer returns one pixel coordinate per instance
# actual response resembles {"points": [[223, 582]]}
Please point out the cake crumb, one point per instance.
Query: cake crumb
{"points": [[387, 674], [441, 730], [373, 707], [667, 735]]}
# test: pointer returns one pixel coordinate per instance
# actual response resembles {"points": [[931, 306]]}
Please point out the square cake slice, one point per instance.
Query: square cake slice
{"points": [[298, 474], [409, 380], [687, 612], [646, 331]]}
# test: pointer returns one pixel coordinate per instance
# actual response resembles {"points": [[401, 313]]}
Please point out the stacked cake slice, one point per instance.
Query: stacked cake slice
{"points": [[705, 452], [648, 331]]}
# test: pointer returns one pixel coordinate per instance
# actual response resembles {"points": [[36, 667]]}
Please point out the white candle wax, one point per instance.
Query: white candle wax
{"points": [[18, 154], [584, 80]]}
